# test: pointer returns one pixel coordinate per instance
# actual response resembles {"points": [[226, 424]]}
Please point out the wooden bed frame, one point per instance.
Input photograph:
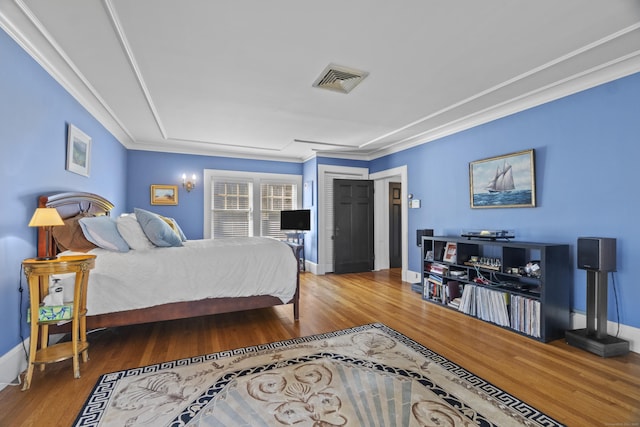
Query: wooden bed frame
{"points": [[71, 204]]}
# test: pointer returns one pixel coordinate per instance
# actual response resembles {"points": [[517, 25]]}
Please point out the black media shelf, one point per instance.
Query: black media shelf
{"points": [[520, 286]]}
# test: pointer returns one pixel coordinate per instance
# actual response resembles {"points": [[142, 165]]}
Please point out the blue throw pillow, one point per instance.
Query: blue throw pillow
{"points": [[156, 229], [102, 232]]}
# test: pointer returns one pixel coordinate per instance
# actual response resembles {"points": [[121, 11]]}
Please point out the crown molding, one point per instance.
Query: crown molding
{"points": [[17, 20], [596, 76]]}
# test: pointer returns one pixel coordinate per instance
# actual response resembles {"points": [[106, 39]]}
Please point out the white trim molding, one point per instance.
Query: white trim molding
{"points": [[326, 265], [12, 364], [382, 229]]}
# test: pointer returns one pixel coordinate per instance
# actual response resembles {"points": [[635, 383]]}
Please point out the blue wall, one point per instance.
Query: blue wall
{"points": [[145, 168], [310, 201], [34, 113], [586, 151]]}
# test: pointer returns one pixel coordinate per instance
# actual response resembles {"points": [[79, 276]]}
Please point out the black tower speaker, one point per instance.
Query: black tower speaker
{"points": [[597, 253], [420, 233]]}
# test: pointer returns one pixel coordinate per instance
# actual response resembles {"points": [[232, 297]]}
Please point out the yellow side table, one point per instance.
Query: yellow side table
{"points": [[37, 273]]}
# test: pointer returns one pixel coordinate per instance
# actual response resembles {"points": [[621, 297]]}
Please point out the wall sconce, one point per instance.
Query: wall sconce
{"points": [[46, 217], [189, 185]]}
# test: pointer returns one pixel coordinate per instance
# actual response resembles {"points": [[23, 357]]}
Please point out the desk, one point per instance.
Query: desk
{"points": [[297, 238], [297, 251], [37, 273]]}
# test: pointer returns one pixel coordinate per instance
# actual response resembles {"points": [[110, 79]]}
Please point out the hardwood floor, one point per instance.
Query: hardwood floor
{"points": [[573, 386]]}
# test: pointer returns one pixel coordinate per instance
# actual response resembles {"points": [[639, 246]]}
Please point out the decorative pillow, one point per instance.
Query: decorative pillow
{"points": [[132, 233], [175, 227], [70, 237], [183, 236], [157, 230], [102, 231]]}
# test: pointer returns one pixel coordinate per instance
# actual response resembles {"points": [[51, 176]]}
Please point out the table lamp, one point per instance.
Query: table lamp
{"points": [[46, 217]]}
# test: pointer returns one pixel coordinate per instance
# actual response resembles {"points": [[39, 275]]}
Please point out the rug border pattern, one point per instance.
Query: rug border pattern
{"points": [[96, 403]]}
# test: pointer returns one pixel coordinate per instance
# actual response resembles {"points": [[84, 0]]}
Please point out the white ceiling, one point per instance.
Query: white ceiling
{"points": [[234, 77]]}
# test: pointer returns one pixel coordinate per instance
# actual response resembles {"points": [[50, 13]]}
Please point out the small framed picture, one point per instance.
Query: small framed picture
{"points": [[78, 151], [450, 253], [164, 194]]}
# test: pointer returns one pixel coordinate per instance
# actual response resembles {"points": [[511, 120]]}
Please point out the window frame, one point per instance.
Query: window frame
{"points": [[245, 213], [257, 178]]}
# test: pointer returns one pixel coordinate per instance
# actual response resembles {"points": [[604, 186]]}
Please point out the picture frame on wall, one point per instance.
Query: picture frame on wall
{"points": [[78, 151], [506, 181], [164, 194]]}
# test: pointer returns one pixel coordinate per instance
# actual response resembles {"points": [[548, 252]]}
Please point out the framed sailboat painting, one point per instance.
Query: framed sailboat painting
{"points": [[507, 181]]}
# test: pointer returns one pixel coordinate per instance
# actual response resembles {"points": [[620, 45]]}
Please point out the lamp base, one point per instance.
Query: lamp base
{"points": [[45, 258]]}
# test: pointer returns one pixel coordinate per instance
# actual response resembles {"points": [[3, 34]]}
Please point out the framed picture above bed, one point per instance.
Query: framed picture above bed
{"points": [[78, 151], [164, 194]]}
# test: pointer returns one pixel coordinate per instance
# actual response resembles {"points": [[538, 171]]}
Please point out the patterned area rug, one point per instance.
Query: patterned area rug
{"points": [[369, 375]]}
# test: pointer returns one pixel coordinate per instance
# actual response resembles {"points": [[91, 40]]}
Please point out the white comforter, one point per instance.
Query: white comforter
{"points": [[233, 267]]}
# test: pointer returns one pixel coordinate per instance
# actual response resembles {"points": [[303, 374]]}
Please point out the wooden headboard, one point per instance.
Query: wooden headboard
{"points": [[69, 205]]}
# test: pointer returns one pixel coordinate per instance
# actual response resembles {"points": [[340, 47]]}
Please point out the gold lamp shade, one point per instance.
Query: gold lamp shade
{"points": [[46, 217]]}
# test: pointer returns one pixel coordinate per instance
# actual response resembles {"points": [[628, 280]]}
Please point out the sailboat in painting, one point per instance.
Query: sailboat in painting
{"points": [[502, 180]]}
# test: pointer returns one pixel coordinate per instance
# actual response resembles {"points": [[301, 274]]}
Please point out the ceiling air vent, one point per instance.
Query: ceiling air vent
{"points": [[339, 79]]}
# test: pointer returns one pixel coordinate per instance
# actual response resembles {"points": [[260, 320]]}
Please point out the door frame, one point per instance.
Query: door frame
{"points": [[381, 198], [324, 264], [381, 217]]}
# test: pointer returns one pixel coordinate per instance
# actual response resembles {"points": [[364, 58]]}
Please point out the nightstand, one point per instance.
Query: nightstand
{"points": [[37, 273]]}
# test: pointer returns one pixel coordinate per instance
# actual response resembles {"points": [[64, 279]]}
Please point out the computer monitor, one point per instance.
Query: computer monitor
{"points": [[295, 220]]}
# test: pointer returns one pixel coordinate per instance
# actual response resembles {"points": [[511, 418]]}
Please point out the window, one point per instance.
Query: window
{"points": [[248, 204], [275, 197], [231, 210]]}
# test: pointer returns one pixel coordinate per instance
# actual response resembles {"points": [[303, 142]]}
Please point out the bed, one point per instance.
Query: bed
{"points": [[186, 299]]}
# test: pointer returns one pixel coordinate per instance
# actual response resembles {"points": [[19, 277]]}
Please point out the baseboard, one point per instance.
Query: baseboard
{"points": [[12, 364], [413, 277], [311, 267]]}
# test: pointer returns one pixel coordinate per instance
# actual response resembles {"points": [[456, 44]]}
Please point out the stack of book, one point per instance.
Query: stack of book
{"points": [[454, 293], [434, 288], [437, 268], [455, 303]]}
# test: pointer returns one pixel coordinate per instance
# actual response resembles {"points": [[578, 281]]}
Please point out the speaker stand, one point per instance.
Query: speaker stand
{"points": [[594, 337]]}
